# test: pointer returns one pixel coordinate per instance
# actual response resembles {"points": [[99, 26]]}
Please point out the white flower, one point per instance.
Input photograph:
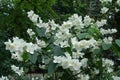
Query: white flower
{"points": [[57, 59], [83, 44], [104, 10], [75, 65], [62, 38], [33, 17], [108, 31], [83, 77], [77, 54], [118, 2], [87, 20], [116, 9], [84, 62], [67, 25], [64, 44], [30, 47], [108, 40], [75, 43], [116, 78], [59, 35], [68, 55], [41, 43], [30, 32], [109, 70], [96, 71], [42, 66], [30, 13], [67, 62], [17, 56], [53, 25], [101, 23], [4, 78], [63, 35], [76, 21], [9, 46], [17, 70], [98, 23], [106, 1], [16, 45], [73, 17], [113, 30], [16, 48], [107, 62]]}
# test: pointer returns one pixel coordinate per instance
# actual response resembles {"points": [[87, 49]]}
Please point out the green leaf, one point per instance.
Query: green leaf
{"points": [[97, 51], [115, 49], [41, 31], [93, 31], [25, 56], [82, 35], [68, 49], [57, 51], [117, 42], [25, 77], [33, 57], [106, 46], [52, 67]]}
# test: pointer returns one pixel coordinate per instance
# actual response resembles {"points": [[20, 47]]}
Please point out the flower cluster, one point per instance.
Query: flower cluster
{"points": [[18, 46], [108, 31], [83, 77], [4, 78], [67, 62], [116, 78], [108, 40], [76, 46], [104, 10], [38, 22], [101, 23], [105, 1], [66, 36], [17, 70], [118, 2], [108, 64], [83, 44], [30, 32], [108, 8]]}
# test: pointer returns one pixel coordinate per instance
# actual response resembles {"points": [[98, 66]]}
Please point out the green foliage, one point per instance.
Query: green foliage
{"points": [[5, 60], [65, 8], [57, 51], [83, 35], [106, 46], [33, 57], [94, 31], [115, 49], [51, 68], [25, 77], [41, 31], [117, 42], [14, 18], [25, 56]]}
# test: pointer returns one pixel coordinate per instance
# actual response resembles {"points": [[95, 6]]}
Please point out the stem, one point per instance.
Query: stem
{"points": [[72, 76]]}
